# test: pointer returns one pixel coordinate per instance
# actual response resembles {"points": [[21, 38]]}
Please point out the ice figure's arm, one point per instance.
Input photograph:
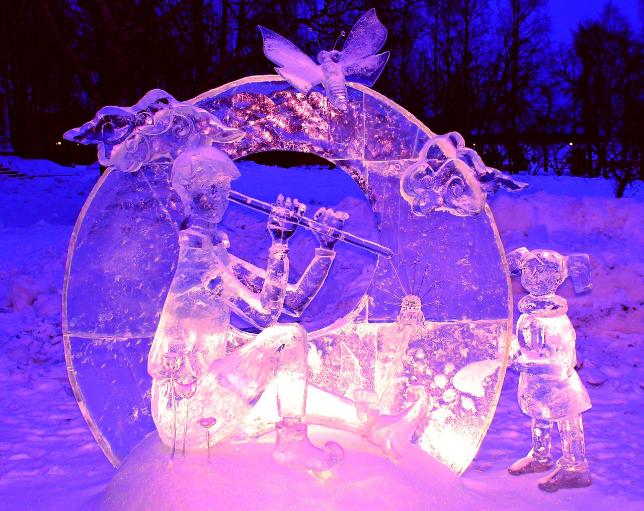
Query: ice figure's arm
{"points": [[537, 362], [532, 353], [552, 352], [274, 288], [300, 295], [248, 275], [255, 295]]}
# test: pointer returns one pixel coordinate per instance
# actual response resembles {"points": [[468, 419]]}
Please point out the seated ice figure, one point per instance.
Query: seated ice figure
{"points": [[195, 381], [200, 390], [544, 352], [203, 385]]}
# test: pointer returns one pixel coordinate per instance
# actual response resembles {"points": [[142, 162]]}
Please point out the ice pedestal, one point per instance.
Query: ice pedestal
{"points": [[244, 477]]}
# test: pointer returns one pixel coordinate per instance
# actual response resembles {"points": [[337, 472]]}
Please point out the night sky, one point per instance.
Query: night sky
{"points": [[565, 15]]}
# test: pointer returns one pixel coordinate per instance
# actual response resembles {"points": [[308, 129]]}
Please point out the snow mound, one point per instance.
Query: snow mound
{"points": [[244, 477]]}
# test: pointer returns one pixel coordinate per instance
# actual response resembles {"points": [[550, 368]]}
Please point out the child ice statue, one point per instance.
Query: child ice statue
{"points": [[200, 390], [392, 433], [544, 353]]}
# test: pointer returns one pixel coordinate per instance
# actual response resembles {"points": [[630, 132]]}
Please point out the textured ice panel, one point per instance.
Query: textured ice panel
{"points": [[347, 358], [388, 133], [110, 377], [451, 262], [459, 364], [347, 130], [158, 178], [421, 140], [123, 260], [274, 117]]}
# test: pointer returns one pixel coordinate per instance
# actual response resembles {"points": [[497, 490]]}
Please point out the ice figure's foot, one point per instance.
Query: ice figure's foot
{"points": [[392, 432], [294, 449], [530, 464], [564, 477]]}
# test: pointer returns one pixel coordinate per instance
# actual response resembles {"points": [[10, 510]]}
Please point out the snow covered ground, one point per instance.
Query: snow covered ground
{"points": [[49, 460]]}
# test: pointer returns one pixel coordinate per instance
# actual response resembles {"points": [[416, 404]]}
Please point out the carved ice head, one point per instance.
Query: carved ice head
{"points": [[411, 312], [202, 179], [329, 56], [543, 271]]}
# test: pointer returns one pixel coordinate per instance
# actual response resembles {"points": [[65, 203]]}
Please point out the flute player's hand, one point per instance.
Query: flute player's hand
{"points": [[329, 218], [284, 218]]}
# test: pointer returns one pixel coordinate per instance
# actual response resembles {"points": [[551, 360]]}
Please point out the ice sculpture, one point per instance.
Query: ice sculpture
{"points": [[412, 347], [544, 352], [157, 128], [451, 177], [208, 284], [357, 61]]}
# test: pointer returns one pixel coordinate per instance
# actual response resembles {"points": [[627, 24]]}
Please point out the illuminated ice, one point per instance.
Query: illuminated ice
{"points": [[208, 285], [410, 331], [550, 391]]}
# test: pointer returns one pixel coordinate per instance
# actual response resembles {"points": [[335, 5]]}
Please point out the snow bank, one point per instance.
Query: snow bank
{"points": [[49, 460]]}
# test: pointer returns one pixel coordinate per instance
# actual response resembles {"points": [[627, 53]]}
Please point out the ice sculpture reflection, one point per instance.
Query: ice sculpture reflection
{"points": [[550, 390]]}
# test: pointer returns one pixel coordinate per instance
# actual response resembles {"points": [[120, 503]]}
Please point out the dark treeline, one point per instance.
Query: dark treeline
{"points": [[484, 68]]}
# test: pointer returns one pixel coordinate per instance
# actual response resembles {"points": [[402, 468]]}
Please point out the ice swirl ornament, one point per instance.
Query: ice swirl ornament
{"points": [[156, 129], [447, 176]]}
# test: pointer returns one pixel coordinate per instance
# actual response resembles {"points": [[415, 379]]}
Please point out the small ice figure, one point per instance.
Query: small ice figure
{"points": [[209, 284], [543, 350], [392, 433], [357, 61]]}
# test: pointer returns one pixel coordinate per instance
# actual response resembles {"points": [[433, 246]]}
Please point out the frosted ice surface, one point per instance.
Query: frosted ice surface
{"points": [[471, 378]]}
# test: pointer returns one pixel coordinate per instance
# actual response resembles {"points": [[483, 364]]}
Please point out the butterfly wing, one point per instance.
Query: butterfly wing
{"points": [[367, 36], [295, 66], [366, 70]]}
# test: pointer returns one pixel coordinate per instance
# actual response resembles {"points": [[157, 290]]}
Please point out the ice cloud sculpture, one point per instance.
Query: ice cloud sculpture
{"points": [[448, 176], [157, 128], [550, 391]]}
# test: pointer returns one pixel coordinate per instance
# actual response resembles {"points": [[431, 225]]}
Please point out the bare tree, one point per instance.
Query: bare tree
{"points": [[522, 57], [605, 86]]}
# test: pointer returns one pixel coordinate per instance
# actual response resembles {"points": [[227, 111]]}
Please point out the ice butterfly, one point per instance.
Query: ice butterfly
{"points": [[357, 61]]}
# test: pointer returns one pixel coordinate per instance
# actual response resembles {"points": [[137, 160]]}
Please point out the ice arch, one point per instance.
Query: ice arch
{"points": [[123, 252]]}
